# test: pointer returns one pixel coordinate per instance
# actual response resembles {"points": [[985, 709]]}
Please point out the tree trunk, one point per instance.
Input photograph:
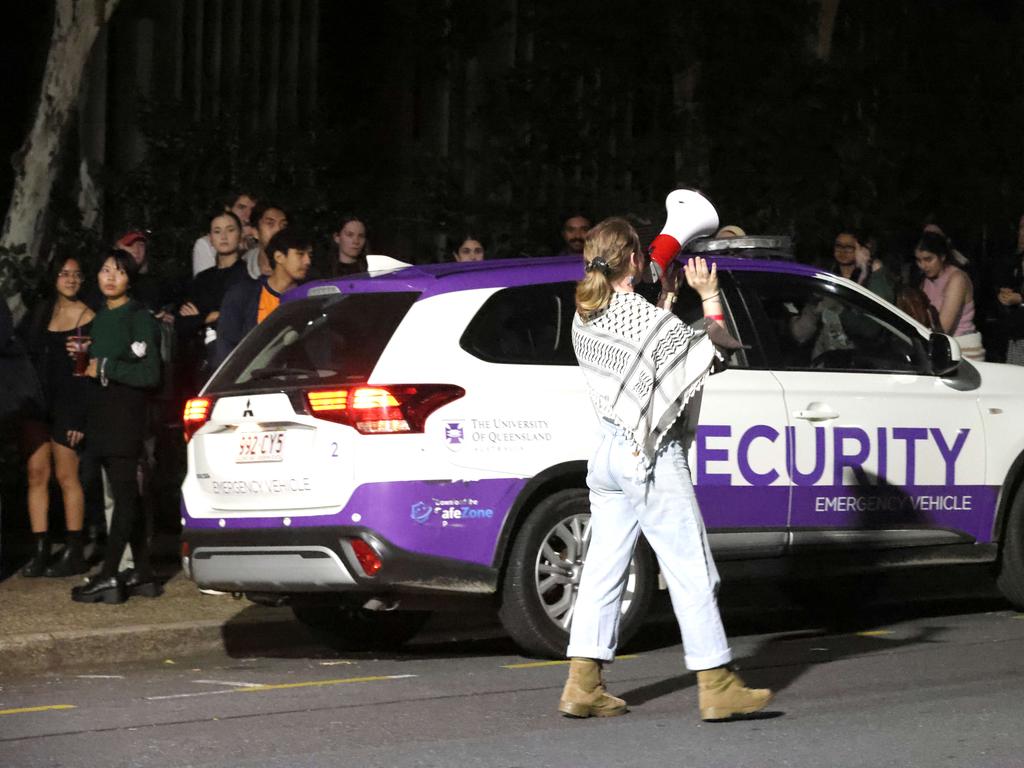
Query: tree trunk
{"points": [[75, 27], [826, 28]]}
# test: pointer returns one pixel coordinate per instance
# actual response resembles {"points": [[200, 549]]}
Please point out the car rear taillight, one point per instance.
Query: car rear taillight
{"points": [[384, 410], [197, 411]]}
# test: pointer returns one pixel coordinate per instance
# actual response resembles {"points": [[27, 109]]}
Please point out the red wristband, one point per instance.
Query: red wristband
{"points": [[719, 318]]}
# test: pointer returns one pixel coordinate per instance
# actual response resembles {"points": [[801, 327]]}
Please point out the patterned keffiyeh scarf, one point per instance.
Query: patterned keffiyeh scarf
{"points": [[642, 365]]}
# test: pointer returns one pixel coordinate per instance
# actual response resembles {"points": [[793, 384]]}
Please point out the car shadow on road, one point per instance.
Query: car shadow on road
{"points": [[825, 620], [446, 636]]}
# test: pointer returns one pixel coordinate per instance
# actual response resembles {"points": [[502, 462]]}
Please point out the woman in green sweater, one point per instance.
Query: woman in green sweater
{"points": [[124, 367]]}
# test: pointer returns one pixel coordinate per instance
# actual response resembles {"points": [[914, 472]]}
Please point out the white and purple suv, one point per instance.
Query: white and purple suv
{"points": [[416, 438]]}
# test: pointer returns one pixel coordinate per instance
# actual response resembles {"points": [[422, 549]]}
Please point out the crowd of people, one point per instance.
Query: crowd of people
{"points": [[115, 350]]}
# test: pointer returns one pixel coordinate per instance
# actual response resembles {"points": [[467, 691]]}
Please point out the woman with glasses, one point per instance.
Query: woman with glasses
{"points": [[53, 436], [123, 369]]}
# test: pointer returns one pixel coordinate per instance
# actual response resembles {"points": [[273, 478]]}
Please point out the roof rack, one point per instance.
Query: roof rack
{"points": [[747, 247]]}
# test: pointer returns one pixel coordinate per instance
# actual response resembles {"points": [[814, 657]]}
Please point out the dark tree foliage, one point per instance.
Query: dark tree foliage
{"points": [[507, 116]]}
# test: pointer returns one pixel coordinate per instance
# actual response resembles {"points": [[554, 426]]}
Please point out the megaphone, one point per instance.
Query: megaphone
{"points": [[690, 215]]}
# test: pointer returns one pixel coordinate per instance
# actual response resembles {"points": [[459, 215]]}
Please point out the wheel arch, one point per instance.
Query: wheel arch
{"points": [[559, 477], [1012, 485]]}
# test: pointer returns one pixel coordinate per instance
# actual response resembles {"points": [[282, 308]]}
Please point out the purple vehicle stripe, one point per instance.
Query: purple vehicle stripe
{"points": [[458, 520], [434, 279], [743, 506], [463, 520], [967, 508]]}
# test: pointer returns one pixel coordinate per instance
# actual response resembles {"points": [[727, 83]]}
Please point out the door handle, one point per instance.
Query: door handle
{"points": [[816, 412]]}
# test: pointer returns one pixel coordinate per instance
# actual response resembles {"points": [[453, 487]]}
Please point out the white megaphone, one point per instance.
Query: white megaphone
{"points": [[690, 215]]}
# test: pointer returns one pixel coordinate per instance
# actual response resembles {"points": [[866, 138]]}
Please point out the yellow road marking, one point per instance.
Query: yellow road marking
{"points": [[874, 632], [24, 710], [535, 664], [317, 683], [1019, 616]]}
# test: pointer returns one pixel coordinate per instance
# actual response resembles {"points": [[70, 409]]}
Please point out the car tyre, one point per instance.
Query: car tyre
{"points": [[345, 628], [532, 611], [1010, 574]]}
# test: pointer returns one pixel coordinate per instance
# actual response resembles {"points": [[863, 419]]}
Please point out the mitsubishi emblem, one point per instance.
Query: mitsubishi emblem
{"points": [[248, 408]]}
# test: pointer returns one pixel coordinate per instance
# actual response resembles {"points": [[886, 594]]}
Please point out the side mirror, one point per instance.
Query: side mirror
{"points": [[943, 353]]}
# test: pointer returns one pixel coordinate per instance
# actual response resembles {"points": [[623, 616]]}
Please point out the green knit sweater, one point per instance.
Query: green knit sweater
{"points": [[114, 332]]}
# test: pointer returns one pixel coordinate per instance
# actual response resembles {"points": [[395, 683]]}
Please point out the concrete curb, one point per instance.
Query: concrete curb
{"points": [[28, 654]]}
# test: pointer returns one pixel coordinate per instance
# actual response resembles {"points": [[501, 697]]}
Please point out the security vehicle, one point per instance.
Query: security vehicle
{"points": [[414, 438]]}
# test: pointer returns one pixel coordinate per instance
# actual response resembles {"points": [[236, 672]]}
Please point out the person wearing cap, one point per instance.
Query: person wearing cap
{"points": [[248, 302], [147, 288]]}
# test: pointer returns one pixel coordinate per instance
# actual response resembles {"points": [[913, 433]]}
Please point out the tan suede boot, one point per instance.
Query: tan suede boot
{"points": [[584, 694], [723, 694]]}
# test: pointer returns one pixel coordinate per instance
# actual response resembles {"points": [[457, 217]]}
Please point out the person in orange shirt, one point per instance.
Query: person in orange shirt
{"points": [[249, 302]]}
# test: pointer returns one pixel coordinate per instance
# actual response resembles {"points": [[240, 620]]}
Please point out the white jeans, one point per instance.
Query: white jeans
{"points": [[622, 504]]}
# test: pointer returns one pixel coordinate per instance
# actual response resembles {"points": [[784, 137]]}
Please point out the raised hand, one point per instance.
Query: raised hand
{"points": [[700, 277]]}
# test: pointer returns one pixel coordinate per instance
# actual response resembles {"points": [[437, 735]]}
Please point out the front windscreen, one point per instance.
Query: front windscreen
{"points": [[334, 339]]}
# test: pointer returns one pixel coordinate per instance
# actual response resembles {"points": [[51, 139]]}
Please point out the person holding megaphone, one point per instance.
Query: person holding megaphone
{"points": [[642, 366]]}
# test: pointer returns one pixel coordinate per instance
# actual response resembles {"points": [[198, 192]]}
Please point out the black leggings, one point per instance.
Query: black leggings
{"points": [[127, 524]]}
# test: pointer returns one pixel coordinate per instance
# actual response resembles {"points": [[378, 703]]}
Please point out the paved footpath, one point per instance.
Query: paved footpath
{"points": [[42, 629]]}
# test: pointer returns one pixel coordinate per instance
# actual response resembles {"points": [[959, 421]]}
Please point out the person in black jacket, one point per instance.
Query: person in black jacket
{"points": [[199, 315], [124, 367], [248, 302], [52, 435]]}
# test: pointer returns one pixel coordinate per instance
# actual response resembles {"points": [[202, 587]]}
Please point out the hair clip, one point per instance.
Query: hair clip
{"points": [[599, 264]]}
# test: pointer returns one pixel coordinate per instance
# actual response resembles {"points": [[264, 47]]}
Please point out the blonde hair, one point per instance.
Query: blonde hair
{"points": [[606, 258]]}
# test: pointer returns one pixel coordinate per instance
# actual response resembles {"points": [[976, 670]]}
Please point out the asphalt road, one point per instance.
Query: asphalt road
{"points": [[929, 681]]}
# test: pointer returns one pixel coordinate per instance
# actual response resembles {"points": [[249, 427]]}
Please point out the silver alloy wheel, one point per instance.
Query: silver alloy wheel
{"points": [[560, 565]]}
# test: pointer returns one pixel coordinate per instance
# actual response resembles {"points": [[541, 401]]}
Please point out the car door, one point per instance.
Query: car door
{"points": [[880, 451], [737, 457]]}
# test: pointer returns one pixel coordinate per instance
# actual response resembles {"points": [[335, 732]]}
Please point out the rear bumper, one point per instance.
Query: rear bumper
{"points": [[318, 560], [270, 569]]}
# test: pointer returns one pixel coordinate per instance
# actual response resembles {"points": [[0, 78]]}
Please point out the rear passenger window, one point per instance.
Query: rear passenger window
{"points": [[530, 324]]}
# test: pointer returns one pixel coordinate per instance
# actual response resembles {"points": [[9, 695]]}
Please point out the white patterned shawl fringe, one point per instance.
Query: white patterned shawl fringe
{"points": [[642, 365]]}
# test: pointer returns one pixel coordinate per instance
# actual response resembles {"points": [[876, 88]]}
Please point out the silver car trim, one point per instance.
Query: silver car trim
{"points": [[271, 569]]}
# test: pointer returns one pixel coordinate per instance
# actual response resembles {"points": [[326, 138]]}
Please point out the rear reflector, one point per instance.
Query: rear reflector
{"points": [[197, 411], [390, 409], [367, 556]]}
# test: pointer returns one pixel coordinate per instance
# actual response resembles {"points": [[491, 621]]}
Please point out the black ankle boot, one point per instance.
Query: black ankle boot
{"points": [[140, 583], [100, 589], [70, 561], [37, 565]]}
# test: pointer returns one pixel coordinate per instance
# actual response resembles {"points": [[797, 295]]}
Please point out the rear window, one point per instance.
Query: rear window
{"points": [[530, 324], [334, 339]]}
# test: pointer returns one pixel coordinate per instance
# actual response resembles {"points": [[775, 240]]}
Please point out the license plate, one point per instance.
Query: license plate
{"points": [[260, 446]]}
